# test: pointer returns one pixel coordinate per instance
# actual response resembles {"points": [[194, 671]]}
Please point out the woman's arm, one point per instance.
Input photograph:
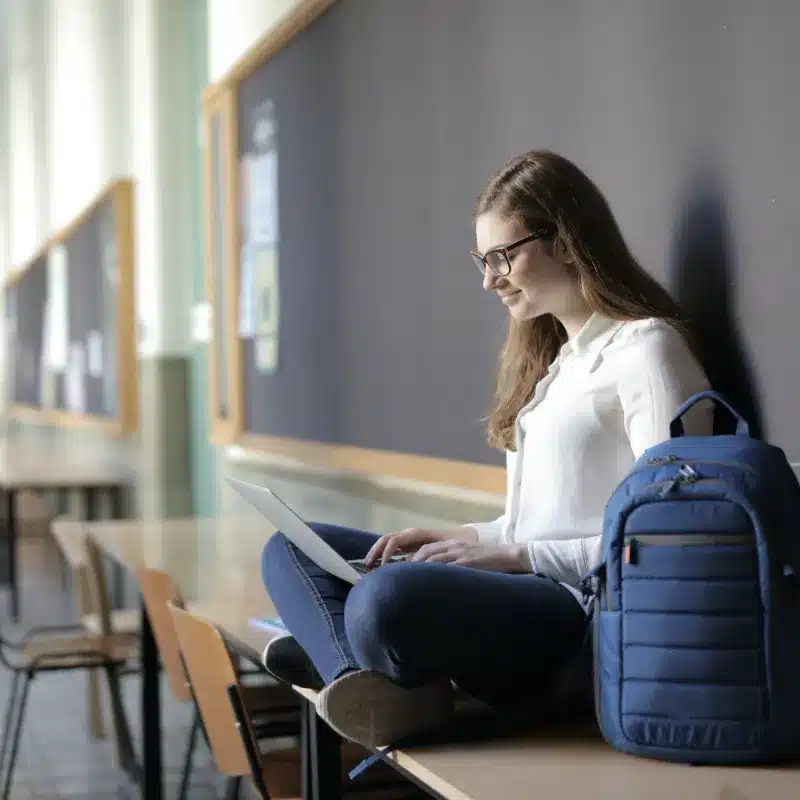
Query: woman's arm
{"points": [[663, 374], [484, 532], [565, 560]]}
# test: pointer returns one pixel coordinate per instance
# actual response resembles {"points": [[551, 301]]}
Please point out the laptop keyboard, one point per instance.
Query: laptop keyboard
{"points": [[362, 568]]}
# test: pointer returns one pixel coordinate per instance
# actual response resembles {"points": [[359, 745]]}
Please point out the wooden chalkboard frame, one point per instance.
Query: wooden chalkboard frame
{"points": [[220, 101], [126, 420], [222, 279]]}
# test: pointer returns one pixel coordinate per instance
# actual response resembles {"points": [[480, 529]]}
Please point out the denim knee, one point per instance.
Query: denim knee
{"points": [[275, 553], [382, 623]]}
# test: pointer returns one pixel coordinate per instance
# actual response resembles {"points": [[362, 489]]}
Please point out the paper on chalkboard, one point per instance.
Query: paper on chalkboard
{"points": [[260, 173], [265, 291], [266, 354], [75, 380], [247, 306], [56, 341], [94, 348]]}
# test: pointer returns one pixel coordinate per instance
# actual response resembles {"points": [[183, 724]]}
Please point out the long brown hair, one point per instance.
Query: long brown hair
{"points": [[543, 185]]}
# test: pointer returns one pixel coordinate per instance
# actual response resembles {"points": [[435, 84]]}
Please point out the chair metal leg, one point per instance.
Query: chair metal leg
{"points": [[12, 531], [12, 704], [232, 787], [187, 763], [94, 702], [126, 753], [12, 758], [63, 569]]}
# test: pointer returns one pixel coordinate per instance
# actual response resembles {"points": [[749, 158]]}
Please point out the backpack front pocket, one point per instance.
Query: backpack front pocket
{"points": [[691, 630]]}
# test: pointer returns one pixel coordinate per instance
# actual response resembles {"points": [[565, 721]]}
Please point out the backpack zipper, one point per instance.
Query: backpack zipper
{"points": [[661, 461], [631, 548], [687, 474], [596, 657]]}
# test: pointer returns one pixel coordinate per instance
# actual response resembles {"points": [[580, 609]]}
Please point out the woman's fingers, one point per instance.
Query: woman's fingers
{"points": [[428, 550], [406, 541], [399, 542], [377, 550], [448, 557]]}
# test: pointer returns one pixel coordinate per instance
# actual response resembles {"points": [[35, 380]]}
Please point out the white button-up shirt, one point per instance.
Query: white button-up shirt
{"points": [[609, 395]]}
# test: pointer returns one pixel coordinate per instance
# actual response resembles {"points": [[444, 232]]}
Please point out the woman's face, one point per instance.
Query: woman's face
{"points": [[540, 282]]}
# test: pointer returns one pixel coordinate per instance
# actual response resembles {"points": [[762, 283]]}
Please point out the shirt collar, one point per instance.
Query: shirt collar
{"points": [[596, 333]]}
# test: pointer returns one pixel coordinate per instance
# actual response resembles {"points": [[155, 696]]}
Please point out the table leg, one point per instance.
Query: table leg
{"points": [[118, 572], [90, 496], [11, 534], [321, 758], [62, 507], [306, 776], [151, 713]]}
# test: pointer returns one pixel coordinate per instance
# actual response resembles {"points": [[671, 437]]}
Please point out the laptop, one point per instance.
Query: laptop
{"points": [[298, 532]]}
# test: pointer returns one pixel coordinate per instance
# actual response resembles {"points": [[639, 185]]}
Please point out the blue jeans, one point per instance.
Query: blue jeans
{"points": [[504, 639]]}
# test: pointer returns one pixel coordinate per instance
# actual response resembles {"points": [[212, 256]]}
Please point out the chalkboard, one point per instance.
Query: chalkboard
{"points": [[26, 300], [92, 281], [386, 339], [71, 314], [387, 119]]}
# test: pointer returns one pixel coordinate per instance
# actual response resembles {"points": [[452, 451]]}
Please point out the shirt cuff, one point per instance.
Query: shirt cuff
{"points": [[488, 532], [532, 555]]}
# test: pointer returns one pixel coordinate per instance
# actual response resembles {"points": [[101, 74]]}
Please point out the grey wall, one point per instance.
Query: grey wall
{"points": [[685, 113]]}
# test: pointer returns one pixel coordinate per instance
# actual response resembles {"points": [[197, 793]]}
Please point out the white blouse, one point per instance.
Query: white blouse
{"points": [[609, 395]]}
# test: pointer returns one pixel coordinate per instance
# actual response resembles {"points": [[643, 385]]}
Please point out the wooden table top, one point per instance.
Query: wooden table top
{"points": [[217, 565], [29, 466]]}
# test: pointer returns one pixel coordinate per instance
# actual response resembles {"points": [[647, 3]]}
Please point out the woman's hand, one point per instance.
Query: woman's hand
{"points": [[411, 539], [492, 557]]}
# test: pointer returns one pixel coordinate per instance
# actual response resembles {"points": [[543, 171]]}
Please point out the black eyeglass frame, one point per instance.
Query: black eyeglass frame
{"points": [[546, 230]]}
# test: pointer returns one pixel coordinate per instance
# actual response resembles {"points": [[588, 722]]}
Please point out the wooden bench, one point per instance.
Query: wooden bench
{"points": [[217, 565]]}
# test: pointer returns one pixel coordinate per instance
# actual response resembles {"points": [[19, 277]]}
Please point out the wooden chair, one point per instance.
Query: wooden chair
{"points": [[158, 591], [99, 606], [68, 648], [71, 536], [226, 709]]}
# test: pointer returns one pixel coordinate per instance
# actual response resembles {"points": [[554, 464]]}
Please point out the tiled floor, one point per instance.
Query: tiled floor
{"points": [[57, 757]]}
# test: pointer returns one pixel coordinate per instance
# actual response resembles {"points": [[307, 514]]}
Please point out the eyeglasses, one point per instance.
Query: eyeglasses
{"points": [[497, 259]]}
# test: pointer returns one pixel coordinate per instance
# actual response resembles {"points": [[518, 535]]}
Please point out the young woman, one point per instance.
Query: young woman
{"points": [[596, 363]]}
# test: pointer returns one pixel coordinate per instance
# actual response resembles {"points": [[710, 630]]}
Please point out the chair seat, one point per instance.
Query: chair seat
{"points": [[123, 620], [50, 652]]}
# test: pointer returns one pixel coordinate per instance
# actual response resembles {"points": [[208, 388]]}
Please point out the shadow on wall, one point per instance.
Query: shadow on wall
{"points": [[703, 281]]}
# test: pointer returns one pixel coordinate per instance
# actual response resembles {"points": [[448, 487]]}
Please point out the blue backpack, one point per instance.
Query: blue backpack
{"points": [[697, 602]]}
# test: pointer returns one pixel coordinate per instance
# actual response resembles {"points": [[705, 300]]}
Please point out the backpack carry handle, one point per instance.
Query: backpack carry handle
{"points": [[676, 426]]}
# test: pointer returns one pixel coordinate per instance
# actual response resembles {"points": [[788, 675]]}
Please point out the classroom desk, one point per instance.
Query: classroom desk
{"points": [[216, 564], [24, 468]]}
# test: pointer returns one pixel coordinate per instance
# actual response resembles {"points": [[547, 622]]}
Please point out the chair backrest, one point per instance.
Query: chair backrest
{"points": [[212, 673], [72, 539], [99, 601], [158, 590]]}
